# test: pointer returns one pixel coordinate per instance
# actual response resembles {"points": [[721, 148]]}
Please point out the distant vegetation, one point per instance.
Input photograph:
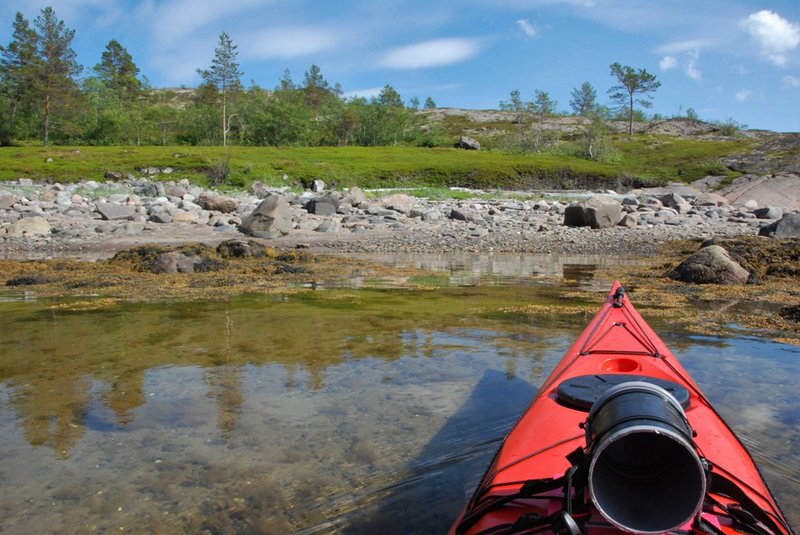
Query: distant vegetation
{"points": [[45, 100]]}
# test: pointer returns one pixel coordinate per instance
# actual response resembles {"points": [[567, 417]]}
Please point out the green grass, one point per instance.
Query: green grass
{"points": [[645, 160], [680, 159]]}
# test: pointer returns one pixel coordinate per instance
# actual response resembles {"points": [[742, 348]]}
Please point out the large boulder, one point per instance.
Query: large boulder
{"points": [[211, 200], [111, 211], [710, 265], [272, 218], [467, 143], [399, 202], [356, 197], [29, 227], [596, 212], [323, 206], [786, 227]]}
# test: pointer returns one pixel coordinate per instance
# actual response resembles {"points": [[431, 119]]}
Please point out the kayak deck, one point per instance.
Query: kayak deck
{"points": [[617, 346]]}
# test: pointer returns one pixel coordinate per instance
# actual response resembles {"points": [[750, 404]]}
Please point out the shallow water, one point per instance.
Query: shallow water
{"points": [[341, 410]]}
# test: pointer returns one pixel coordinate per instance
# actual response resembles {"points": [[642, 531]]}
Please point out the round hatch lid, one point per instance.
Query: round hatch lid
{"points": [[581, 392]]}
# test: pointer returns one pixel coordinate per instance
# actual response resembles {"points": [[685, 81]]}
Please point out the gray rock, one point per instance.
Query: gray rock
{"points": [[175, 262], [173, 190], [399, 202], [629, 221], [272, 216], [7, 201], [259, 190], [768, 212], [130, 229], [161, 217], [672, 200], [597, 212], [468, 143], [356, 197], [29, 227], [318, 186], [710, 265], [184, 216], [111, 212], [786, 227], [323, 206], [113, 175], [710, 199], [460, 214], [432, 215], [329, 225], [374, 209], [211, 200]]}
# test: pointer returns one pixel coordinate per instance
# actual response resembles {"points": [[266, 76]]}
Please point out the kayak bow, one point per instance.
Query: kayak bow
{"points": [[620, 438]]}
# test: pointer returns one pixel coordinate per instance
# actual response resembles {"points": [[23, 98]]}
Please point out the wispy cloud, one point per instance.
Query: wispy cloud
{"points": [[530, 30], [689, 45], [427, 54], [175, 20], [775, 35], [742, 95], [286, 42], [791, 81]]}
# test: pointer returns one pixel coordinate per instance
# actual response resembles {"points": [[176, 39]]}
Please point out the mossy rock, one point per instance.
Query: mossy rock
{"points": [[190, 258]]}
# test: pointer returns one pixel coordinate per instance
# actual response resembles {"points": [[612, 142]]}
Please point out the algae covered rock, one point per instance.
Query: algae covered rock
{"points": [[185, 259], [710, 265]]}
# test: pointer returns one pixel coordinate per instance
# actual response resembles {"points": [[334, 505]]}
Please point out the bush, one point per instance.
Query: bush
{"points": [[729, 127], [219, 172]]}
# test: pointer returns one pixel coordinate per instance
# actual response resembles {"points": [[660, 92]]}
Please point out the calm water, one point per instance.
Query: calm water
{"points": [[340, 410]]}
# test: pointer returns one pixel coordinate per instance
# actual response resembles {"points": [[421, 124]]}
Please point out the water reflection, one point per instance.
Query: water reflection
{"points": [[507, 268], [350, 411]]}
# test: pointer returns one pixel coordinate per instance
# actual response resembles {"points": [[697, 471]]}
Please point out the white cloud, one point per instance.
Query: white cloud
{"points": [[285, 42], [791, 81], [688, 60], [775, 35], [668, 62], [743, 95], [691, 70], [529, 29], [434, 53]]}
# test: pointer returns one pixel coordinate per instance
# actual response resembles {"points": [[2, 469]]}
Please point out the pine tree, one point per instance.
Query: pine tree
{"points": [[430, 104], [583, 100], [316, 87], [118, 72], [58, 65], [224, 76], [631, 83], [18, 64]]}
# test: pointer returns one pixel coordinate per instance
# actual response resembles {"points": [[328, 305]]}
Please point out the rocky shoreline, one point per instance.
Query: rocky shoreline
{"points": [[98, 219]]}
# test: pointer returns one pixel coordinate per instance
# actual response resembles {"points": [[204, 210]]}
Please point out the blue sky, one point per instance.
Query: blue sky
{"points": [[725, 59]]}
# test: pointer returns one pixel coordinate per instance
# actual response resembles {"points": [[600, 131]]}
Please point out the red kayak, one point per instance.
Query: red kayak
{"points": [[620, 439]]}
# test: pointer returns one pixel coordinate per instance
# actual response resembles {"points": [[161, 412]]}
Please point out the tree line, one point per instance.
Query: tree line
{"points": [[43, 96]]}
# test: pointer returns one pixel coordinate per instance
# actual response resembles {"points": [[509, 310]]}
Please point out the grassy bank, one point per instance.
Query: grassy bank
{"points": [[645, 160]]}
